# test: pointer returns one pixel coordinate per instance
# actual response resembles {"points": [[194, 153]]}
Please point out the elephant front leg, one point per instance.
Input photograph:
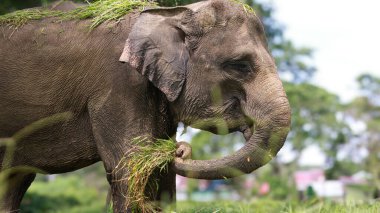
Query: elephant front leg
{"points": [[166, 194], [117, 178], [116, 122]]}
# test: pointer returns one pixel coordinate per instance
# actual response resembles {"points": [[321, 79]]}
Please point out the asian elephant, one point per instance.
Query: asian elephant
{"points": [[141, 76]]}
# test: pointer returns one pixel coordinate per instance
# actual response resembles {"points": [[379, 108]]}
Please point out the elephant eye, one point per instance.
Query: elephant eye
{"points": [[241, 66]]}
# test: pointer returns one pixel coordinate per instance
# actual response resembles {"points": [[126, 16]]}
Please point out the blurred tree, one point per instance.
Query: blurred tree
{"points": [[7, 6], [69, 194], [280, 189], [315, 120], [11, 5], [366, 108], [370, 87]]}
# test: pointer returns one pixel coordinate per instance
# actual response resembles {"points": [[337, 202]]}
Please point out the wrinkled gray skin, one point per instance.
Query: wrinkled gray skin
{"points": [[140, 77]]}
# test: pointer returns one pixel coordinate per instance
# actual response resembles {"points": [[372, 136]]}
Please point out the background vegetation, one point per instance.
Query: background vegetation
{"points": [[319, 118]]}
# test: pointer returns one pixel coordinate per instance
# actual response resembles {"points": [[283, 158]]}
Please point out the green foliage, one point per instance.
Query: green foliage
{"points": [[313, 116], [11, 5], [280, 189], [315, 121], [64, 194], [369, 84], [99, 11], [209, 146], [342, 168]]}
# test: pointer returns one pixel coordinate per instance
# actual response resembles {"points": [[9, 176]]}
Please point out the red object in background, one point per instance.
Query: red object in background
{"points": [[264, 188]]}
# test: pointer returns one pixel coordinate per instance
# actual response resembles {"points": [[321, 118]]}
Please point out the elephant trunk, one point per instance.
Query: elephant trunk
{"points": [[264, 140], [255, 153]]}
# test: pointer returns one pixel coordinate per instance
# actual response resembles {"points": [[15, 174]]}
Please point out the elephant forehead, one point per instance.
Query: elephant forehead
{"points": [[207, 19], [219, 12], [233, 41]]}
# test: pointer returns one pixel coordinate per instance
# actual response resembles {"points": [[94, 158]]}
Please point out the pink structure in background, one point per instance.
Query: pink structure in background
{"points": [[181, 183], [304, 179]]}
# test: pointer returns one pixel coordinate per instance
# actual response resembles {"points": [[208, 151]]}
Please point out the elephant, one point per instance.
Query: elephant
{"points": [[142, 76]]}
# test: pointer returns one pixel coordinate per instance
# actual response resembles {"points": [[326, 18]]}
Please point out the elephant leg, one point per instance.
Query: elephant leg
{"points": [[166, 188], [16, 185], [118, 192]]}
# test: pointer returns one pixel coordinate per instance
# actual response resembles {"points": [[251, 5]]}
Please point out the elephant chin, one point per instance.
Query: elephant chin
{"points": [[260, 148]]}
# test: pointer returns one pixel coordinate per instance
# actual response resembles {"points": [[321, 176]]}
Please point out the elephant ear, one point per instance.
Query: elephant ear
{"points": [[156, 48]]}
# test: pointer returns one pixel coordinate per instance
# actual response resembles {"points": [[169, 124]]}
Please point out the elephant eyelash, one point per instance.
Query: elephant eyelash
{"points": [[240, 66]]}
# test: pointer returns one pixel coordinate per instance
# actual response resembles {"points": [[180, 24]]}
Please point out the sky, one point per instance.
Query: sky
{"points": [[345, 35]]}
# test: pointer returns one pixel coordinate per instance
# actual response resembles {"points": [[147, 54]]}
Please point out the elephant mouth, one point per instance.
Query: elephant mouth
{"points": [[229, 118], [247, 131], [244, 125]]}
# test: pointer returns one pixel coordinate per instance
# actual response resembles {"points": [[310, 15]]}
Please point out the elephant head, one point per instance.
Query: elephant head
{"points": [[212, 62]]}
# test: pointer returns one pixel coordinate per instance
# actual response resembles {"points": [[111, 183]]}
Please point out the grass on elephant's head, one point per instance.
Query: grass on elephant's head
{"points": [[245, 6], [99, 11], [20, 17], [144, 158]]}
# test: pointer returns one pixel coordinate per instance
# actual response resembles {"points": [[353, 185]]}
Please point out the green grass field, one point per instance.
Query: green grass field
{"points": [[83, 194], [269, 206]]}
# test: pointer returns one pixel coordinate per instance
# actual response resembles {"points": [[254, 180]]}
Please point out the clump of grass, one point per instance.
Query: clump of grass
{"points": [[144, 158], [246, 7], [20, 17], [99, 11], [106, 10]]}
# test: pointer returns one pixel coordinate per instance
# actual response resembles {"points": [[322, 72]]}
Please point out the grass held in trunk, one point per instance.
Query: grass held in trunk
{"points": [[144, 158]]}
